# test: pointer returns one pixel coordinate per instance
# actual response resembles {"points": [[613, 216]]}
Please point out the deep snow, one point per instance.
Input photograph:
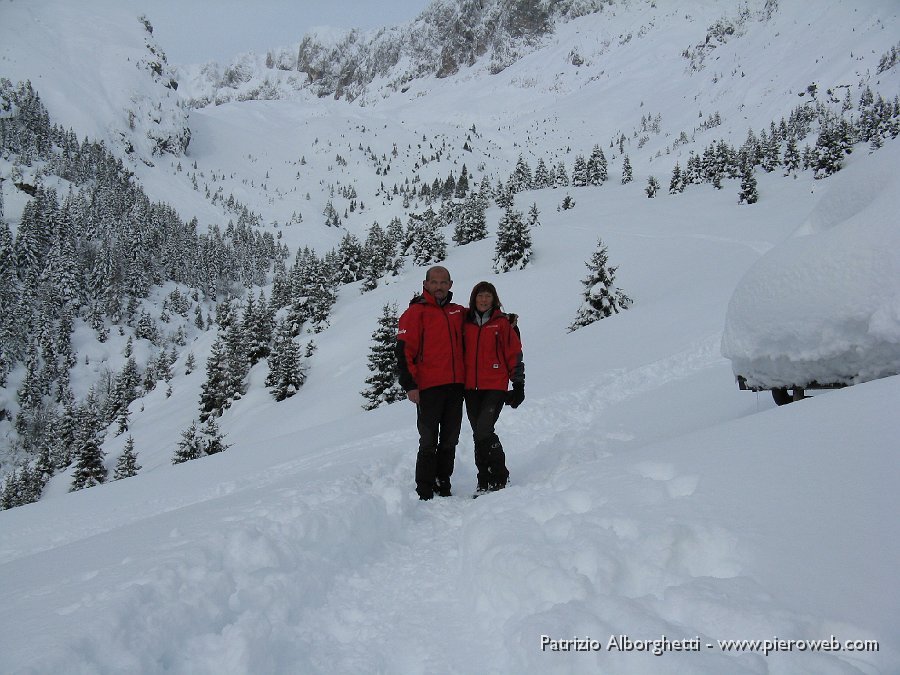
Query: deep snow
{"points": [[650, 497]]}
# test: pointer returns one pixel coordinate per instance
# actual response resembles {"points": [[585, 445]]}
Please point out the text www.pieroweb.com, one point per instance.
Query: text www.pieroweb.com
{"points": [[663, 645]]}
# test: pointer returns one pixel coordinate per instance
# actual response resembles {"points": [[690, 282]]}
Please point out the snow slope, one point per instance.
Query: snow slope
{"points": [[650, 498]]}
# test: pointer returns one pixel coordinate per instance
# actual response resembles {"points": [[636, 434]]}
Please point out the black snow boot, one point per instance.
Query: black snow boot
{"points": [[442, 487], [444, 461], [498, 475], [426, 467], [482, 457]]}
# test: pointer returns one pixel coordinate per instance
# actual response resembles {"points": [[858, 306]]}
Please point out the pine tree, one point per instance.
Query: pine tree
{"points": [[350, 260], [579, 172], [126, 465], [472, 225], [190, 446], [89, 469], [125, 389], [378, 251], [257, 326], [513, 248], [677, 183], [521, 178], [286, 374], [237, 351], [562, 178], [601, 296], [748, 193], [215, 391], [504, 195], [542, 177], [213, 441], [791, 159], [383, 385], [429, 246], [829, 153], [332, 219], [627, 173], [597, 167], [652, 187], [533, 217]]}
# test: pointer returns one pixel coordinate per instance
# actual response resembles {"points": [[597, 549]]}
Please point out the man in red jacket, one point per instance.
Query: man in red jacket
{"points": [[432, 372]]}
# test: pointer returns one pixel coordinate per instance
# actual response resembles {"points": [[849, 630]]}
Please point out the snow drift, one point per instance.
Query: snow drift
{"points": [[824, 306]]}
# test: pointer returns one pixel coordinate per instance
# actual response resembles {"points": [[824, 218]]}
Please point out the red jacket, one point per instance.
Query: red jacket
{"points": [[429, 343], [493, 353]]}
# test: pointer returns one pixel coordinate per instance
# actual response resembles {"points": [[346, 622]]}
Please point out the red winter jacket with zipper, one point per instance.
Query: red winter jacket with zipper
{"points": [[493, 353], [429, 343]]}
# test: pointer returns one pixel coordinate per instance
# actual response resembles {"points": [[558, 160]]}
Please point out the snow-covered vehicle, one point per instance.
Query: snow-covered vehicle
{"points": [[822, 308]]}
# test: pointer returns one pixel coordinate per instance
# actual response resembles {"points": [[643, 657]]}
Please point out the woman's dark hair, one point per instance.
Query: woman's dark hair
{"points": [[481, 287]]}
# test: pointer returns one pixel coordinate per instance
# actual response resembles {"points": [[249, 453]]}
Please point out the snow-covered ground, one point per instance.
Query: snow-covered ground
{"points": [[650, 497], [651, 501], [824, 306]]}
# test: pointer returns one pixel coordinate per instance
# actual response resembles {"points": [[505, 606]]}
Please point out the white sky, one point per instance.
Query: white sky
{"points": [[196, 31]]}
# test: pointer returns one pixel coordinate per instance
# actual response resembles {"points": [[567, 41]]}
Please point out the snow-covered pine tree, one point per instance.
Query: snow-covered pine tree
{"points": [[829, 153], [597, 167], [383, 385], [561, 176], [472, 225], [542, 177], [322, 293], [215, 392], [791, 159], [237, 349], [676, 185], [513, 248], [748, 193], [190, 446], [126, 464], [212, 440], [533, 217], [286, 374], [350, 263], [257, 325], [521, 178], [429, 246], [332, 219], [376, 251], [579, 172], [462, 185], [627, 172], [504, 195], [601, 297], [89, 469], [652, 186]]}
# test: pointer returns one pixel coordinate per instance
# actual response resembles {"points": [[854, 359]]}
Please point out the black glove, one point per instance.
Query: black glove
{"points": [[516, 396]]}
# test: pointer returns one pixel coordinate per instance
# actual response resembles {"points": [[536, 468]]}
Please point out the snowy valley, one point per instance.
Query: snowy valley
{"points": [[651, 500]]}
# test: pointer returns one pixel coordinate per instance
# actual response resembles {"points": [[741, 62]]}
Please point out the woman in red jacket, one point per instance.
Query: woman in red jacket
{"points": [[493, 356]]}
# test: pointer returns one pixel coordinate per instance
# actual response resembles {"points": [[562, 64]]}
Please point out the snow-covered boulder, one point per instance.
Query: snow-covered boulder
{"points": [[824, 306]]}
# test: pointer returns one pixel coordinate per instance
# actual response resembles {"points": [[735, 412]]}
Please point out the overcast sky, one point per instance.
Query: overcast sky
{"points": [[196, 31]]}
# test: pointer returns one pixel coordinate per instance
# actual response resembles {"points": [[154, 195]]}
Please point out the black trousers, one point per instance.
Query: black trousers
{"points": [[439, 418], [483, 408]]}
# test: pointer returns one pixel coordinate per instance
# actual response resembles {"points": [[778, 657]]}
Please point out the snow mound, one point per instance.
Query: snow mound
{"points": [[824, 306]]}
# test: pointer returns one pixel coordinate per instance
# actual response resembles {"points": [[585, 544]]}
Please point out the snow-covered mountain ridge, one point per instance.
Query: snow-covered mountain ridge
{"points": [[650, 497], [131, 89]]}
